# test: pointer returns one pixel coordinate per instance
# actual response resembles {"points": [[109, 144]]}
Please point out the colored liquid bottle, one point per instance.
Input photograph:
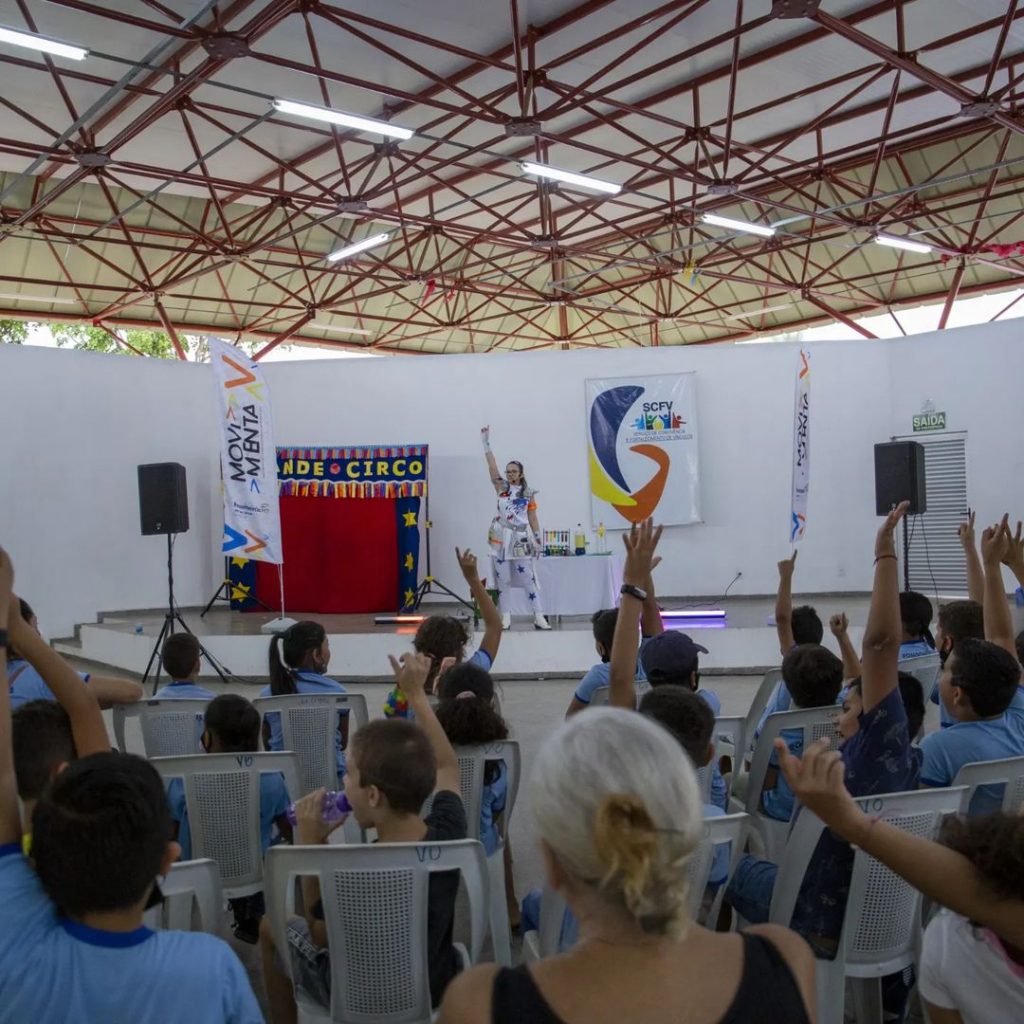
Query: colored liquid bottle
{"points": [[335, 809], [579, 540]]}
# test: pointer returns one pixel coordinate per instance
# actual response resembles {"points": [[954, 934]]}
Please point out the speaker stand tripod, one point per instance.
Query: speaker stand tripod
{"points": [[429, 584], [223, 593], [172, 619]]}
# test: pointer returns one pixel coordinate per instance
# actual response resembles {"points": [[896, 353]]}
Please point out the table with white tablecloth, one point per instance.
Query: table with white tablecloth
{"points": [[570, 585]]}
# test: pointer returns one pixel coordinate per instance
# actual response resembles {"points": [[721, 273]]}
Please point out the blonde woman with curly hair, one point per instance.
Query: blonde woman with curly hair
{"points": [[619, 814]]}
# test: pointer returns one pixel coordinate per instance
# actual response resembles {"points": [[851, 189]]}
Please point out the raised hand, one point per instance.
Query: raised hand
{"points": [[839, 624], [1014, 557], [885, 543], [485, 436], [411, 673], [996, 542], [787, 566], [6, 583], [467, 563], [965, 531], [640, 544]]}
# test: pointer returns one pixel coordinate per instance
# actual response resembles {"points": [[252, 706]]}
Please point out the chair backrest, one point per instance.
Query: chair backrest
{"points": [[473, 762], [599, 698], [190, 883], [925, 668], [728, 829], [765, 688], [883, 912], [375, 910], [552, 915], [731, 730], [171, 727], [814, 723], [1007, 771], [309, 725], [222, 795]]}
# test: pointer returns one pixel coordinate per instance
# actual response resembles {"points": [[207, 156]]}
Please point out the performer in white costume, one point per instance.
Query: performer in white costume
{"points": [[514, 536]]}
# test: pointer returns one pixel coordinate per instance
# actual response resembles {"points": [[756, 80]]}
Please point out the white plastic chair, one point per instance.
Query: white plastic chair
{"points": [[881, 930], [732, 828], [925, 668], [544, 941], [765, 689], [188, 883], [222, 795], [309, 725], [375, 911], [730, 733], [171, 727], [816, 724], [1007, 771], [473, 761], [599, 698]]}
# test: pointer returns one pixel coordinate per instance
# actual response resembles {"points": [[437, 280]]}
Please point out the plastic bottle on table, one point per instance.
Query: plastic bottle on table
{"points": [[335, 809]]}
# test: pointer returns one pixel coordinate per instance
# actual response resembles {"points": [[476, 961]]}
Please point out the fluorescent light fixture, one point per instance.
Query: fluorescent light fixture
{"points": [[693, 613], [902, 243], [34, 42], [23, 297], [738, 225], [338, 327], [360, 124], [351, 250], [397, 620], [583, 180], [758, 312]]}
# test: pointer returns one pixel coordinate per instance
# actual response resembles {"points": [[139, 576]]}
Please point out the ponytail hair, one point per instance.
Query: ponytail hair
{"points": [[288, 652], [467, 711]]}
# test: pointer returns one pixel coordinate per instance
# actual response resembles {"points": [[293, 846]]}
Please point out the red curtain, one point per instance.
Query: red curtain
{"points": [[340, 554]]}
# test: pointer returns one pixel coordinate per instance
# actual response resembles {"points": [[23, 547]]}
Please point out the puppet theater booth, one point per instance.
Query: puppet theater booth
{"points": [[350, 533]]}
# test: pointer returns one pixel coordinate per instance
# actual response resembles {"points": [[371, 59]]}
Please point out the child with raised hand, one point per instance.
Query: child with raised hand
{"points": [[26, 682], [180, 656], [101, 838], [298, 664], [393, 766], [839, 626], [916, 615], [232, 725], [443, 638], [50, 734], [979, 689], [972, 961], [876, 731]]}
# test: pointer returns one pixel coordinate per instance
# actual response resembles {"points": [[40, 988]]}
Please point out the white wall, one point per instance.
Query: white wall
{"points": [[82, 421]]}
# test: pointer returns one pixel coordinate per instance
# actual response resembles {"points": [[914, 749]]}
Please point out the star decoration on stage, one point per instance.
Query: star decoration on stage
{"points": [[410, 596], [521, 569], [409, 518], [532, 596], [240, 592], [239, 563], [409, 561]]}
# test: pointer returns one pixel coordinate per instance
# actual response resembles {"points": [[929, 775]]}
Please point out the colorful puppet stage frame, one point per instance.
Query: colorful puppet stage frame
{"points": [[350, 532]]}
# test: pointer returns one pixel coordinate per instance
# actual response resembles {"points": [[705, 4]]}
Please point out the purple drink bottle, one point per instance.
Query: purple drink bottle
{"points": [[335, 808]]}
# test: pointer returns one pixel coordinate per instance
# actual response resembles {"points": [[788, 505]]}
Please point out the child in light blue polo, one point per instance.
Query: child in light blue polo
{"points": [[603, 623], [180, 659]]}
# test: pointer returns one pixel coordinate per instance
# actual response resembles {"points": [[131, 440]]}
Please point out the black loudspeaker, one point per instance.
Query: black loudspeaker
{"points": [[163, 498], [899, 476]]}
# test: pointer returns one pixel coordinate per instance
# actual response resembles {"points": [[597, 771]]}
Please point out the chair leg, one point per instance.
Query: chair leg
{"points": [[831, 991], [501, 938], [867, 1000]]}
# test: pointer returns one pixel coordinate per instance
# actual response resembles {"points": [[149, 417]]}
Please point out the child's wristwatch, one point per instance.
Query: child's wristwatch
{"points": [[628, 588]]}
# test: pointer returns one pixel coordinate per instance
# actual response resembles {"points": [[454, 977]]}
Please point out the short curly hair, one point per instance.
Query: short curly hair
{"points": [[441, 636], [994, 844]]}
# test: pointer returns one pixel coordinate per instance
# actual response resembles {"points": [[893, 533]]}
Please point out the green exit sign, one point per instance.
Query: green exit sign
{"points": [[929, 421]]}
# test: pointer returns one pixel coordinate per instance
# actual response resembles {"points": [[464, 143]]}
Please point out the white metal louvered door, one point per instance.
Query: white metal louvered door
{"points": [[935, 562]]}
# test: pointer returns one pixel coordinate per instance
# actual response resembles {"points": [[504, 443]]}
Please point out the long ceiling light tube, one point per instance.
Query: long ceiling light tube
{"points": [[42, 44], [351, 250], [902, 243], [570, 177], [339, 117], [738, 225]]}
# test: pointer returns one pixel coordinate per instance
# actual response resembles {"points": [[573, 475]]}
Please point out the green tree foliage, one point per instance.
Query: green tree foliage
{"points": [[136, 341]]}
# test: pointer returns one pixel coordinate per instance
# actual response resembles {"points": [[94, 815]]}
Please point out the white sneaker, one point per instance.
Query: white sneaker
{"points": [[539, 622], [506, 620]]}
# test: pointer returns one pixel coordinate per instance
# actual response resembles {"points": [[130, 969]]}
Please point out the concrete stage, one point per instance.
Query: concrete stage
{"points": [[744, 642]]}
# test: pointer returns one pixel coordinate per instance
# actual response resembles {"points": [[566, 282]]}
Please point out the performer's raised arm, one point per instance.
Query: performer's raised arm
{"points": [[497, 480]]}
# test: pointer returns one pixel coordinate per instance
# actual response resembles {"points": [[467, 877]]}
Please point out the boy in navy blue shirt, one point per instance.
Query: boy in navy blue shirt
{"points": [[73, 946], [880, 714]]}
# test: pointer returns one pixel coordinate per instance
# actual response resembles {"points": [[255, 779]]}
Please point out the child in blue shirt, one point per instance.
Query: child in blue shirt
{"points": [[979, 688], [603, 623], [916, 617], [232, 725], [101, 838], [298, 662], [180, 659]]}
